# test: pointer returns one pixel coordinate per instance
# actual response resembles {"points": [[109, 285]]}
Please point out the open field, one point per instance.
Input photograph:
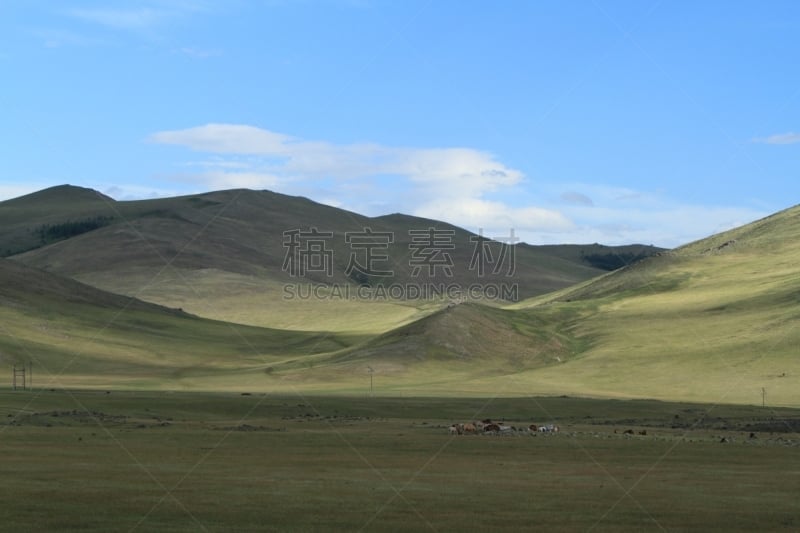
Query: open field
{"points": [[139, 461]]}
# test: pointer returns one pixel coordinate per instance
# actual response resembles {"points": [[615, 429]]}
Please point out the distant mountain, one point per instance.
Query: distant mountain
{"points": [[242, 239]]}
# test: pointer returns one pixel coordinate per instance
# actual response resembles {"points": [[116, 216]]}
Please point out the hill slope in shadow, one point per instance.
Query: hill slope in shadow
{"points": [[222, 254]]}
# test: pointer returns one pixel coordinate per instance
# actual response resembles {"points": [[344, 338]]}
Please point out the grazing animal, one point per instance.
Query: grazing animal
{"points": [[469, 428], [549, 428], [533, 427], [453, 430], [491, 428], [628, 432]]}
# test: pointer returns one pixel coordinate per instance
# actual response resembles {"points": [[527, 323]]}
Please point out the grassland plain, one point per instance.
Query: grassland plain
{"points": [[149, 461]]}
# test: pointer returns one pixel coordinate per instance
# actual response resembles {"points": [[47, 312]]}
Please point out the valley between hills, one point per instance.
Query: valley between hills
{"points": [[189, 293]]}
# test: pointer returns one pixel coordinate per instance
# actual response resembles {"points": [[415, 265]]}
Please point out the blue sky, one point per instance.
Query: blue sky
{"points": [[582, 121]]}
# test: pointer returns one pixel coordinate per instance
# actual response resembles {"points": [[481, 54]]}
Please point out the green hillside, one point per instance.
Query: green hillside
{"points": [[76, 335], [714, 320], [220, 254], [57, 213]]}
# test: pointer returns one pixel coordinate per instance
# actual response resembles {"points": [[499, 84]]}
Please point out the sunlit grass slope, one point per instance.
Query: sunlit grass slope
{"points": [[715, 320], [79, 336]]}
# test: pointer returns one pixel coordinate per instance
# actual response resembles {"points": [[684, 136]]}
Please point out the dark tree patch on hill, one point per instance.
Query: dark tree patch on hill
{"points": [[198, 201], [48, 233], [8, 252], [612, 261]]}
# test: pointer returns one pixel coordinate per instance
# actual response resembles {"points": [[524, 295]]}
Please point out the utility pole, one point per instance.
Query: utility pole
{"points": [[763, 397], [18, 373], [371, 371]]}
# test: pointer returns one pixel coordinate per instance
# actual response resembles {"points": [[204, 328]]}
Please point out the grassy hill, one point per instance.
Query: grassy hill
{"points": [[220, 254], [37, 219], [715, 319], [77, 335]]}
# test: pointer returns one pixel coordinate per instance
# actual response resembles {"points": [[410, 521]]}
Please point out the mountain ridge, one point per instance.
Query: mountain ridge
{"points": [[238, 239]]}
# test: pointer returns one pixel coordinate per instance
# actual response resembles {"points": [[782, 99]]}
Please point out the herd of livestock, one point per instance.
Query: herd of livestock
{"points": [[494, 428]]}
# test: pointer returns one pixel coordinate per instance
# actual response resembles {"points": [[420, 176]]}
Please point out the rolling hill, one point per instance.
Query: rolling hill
{"points": [[221, 254], [79, 336], [712, 321], [715, 319]]}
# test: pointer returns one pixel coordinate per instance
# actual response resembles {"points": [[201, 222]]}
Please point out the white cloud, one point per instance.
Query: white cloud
{"points": [[473, 171], [127, 191], [127, 19], [781, 138], [651, 219], [143, 18], [239, 180], [226, 139], [496, 218], [443, 183], [466, 187], [459, 177]]}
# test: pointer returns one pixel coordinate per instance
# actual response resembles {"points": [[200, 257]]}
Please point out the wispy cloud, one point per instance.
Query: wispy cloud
{"points": [[53, 38], [464, 186], [198, 53], [122, 18], [129, 191], [781, 138], [226, 139], [141, 17], [620, 215], [445, 183]]}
